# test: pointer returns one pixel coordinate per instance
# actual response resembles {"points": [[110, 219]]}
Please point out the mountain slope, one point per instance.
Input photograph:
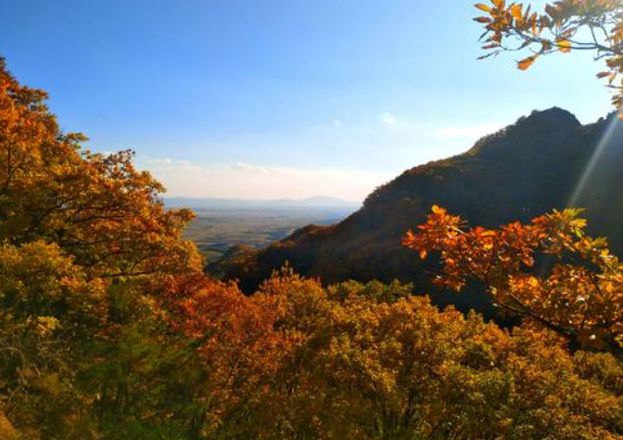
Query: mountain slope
{"points": [[520, 172]]}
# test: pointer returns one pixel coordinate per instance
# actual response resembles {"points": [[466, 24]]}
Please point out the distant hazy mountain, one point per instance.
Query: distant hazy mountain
{"points": [[524, 170], [216, 203]]}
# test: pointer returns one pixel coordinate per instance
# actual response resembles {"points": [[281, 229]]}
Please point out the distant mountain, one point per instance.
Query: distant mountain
{"points": [[537, 164], [216, 203]]}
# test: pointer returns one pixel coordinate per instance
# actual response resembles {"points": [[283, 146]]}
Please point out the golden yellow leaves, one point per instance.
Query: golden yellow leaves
{"points": [[45, 325], [564, 46], [363, 364]]}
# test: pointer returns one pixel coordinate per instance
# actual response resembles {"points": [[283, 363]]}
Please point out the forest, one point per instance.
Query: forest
{"points": [[111, 329]]}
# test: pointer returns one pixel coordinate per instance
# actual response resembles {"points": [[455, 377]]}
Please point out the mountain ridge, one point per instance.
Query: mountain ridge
{"points": [[517, 173]]}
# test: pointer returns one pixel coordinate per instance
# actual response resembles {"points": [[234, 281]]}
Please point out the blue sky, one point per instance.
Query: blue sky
{"points": [[280, 98]]}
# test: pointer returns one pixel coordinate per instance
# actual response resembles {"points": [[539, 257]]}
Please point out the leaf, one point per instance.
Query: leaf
{"points": [[423, 254], [516, 12], [564, 46], [438, 210], [482, 7], [526, 62]]}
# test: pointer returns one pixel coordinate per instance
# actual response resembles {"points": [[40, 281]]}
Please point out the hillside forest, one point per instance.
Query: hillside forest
{"points": [[111, 329]]}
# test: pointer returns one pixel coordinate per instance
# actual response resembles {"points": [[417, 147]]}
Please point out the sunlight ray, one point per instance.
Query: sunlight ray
{"points": [[591, 166]]}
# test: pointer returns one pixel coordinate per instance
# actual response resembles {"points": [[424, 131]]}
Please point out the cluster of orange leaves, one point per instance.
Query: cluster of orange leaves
{"points": [[548, 271]]}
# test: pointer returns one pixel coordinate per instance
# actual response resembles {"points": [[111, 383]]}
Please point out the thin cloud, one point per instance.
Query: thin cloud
{"points": [[245, 180], [389, 119], [385, 149], [247, 167]]}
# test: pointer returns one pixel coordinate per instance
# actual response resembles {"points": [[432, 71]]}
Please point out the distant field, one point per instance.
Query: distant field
{"points": [[217, 229]]}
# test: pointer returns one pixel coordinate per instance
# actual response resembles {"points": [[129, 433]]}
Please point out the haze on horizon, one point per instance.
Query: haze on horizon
{"points": [[280, 99]]}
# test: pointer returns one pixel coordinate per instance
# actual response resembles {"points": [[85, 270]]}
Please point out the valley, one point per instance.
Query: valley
{"points": [[218, 228]]}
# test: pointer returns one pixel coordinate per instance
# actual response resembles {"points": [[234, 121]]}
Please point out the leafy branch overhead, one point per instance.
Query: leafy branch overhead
{"points": [[563, 26], [549, 272]]}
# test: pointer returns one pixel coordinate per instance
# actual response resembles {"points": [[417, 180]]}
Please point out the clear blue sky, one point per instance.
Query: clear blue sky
{"points": [[280, 98]]}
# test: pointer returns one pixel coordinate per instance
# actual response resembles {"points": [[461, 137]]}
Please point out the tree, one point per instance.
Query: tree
{"points": [[564, 26], [50, 312], [99, 209], [85, 247], [548, 271], [375, 361]]}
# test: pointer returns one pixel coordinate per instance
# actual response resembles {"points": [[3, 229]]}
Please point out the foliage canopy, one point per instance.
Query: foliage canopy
{"points": [[110, 330]]}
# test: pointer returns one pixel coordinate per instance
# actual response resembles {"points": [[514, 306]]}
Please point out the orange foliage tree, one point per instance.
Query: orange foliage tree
{"points": [[373, 361], [99, 209], [564, 26], [548, 271], [237, 349], [82, 237]]}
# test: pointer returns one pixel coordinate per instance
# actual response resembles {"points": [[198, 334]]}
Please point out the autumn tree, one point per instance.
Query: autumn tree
{"points": [[564, 26], [50, 311], [548, 271], [99, 209], [83, 239], [375, 361], [238, 347]]}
